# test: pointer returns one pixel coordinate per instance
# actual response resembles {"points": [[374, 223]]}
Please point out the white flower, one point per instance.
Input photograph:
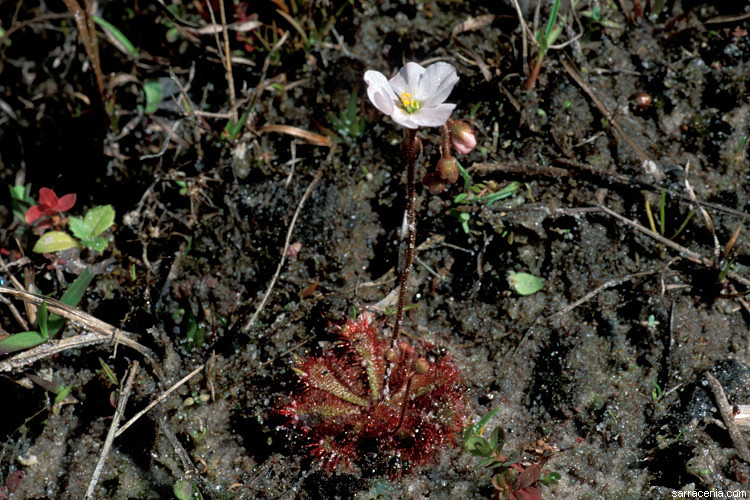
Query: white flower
{"points": [[415, 96]]}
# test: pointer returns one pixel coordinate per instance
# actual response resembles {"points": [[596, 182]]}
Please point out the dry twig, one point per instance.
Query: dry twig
{"points": [[158, 400], [122, 401], [728, 416], [98, 332]]}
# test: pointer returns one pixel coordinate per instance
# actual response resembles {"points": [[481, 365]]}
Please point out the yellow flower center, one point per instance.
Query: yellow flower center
{"points": [[410, 104]]}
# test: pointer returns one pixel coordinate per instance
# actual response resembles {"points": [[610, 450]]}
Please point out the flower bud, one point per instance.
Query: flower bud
{"points": [[421, 365], [447, 169], [462, 137], [433, 182]]}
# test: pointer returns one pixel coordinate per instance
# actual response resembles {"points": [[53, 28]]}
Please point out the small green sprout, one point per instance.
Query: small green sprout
{"points": [[656, 393], [348, 125], [184, 489], [48, 324], [510, 479], [154, 94], [525, 283]]}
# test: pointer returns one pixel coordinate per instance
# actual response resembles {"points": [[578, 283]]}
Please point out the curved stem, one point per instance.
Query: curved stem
{"points": [[411, 153]]}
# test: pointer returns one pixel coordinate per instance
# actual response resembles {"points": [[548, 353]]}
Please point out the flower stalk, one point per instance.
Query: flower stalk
{"points": [[412, 150]]}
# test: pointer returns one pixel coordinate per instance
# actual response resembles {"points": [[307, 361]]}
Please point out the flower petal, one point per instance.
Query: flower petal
{"points": [[407, 79], [66, 202], [47, 198], [33, 213], [403, 118], [380, 92], [434, 116], [437, 83]]}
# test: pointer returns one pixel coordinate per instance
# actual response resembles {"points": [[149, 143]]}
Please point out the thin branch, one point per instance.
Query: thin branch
{"points": [[99, 333], [122, 401], [728, 416], [158, 400]]}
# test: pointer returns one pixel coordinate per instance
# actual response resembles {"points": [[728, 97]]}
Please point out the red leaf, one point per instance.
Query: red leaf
{"points": [[66, 202], [33, 214], [47, 198]]}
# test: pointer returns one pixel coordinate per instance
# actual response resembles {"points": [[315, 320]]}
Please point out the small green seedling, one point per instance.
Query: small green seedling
{"points": [[87, 230], [195, 334], [232, 128], [656, 393], [184, 489], [20, 200], [154, 94], [525, 283], [348, 125], [510, 479], [49, 324], [59, 390]]}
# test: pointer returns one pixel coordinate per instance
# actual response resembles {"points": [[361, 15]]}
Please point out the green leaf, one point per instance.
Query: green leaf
{"points": [[63, 393], [75, 291], [465, 175], [108, 372], [525, 283], [183, 489], [119, 40], [79, 228], [550, 479], [19, 342], [95, 243], [20, 200], [55, 241], [71, 297], [476, 429], [154, 95], [100, 218], [41, 320]]}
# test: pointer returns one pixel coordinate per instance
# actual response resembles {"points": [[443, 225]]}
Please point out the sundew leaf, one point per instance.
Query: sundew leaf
{"points": [[100, 218], [525, 283], [55, 241], [19, 342]]}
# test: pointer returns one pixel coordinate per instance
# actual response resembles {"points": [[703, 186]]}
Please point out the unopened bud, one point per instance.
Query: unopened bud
{"points": [[462, 137], [421, 366], [447, 169], [433, 182], [391, 355]]}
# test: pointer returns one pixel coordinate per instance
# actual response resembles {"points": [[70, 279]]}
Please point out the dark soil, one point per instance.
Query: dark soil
{"points": [[601, 373]]}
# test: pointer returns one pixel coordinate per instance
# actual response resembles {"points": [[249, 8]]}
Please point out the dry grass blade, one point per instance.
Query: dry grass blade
{"points": [[99, 333], [85, 22], [473, 23], [706, 217], [732, 241], [242, 27], [311, 137]]}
